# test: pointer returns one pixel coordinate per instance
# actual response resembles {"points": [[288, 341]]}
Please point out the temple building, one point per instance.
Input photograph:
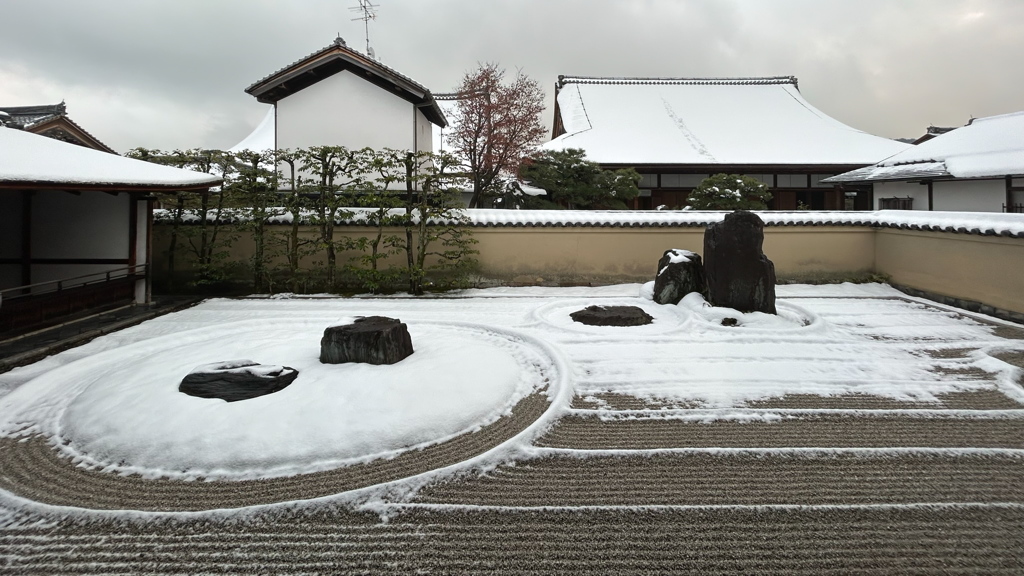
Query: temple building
{"points": [[677, 131]]}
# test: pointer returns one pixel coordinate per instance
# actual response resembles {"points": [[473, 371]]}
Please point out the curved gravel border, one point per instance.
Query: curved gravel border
{"points": [[33, 469]]}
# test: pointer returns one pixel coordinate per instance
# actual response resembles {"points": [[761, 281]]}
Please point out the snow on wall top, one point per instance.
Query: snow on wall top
{"points": [[706, 121], [984, 223], [264, 137], [30, 158], [985, 148], [981, 223]]}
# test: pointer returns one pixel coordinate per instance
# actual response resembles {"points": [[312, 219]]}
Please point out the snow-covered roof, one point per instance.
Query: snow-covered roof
{"points": [[264, 137], [33, 160], [702, 121], [990, 147], [334, 58]]}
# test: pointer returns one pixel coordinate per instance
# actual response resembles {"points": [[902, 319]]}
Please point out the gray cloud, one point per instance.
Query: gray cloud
{"points": [[172, 74]]}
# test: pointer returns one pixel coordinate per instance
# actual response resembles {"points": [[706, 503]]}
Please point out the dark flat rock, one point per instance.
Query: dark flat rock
{"points": [[237, 380], [612, 316]]}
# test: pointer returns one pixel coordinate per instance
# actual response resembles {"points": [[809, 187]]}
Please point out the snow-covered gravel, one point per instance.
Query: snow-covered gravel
{"points": [[114, 404]]}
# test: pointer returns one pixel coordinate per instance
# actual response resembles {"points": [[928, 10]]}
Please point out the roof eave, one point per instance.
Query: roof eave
{"points": [[349, 60], [107, 186]]}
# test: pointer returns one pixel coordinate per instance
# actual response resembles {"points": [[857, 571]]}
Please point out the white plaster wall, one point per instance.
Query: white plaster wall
{"points": [[346, 110], [424, 133], [902, 190], [87, 225], [969, 195]]}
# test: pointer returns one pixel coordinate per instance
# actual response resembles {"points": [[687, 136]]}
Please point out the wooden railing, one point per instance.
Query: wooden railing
{"points": [[43, 303], [1015, 208]]}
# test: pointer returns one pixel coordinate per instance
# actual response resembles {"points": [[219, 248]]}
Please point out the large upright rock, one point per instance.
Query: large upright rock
{"points": [[738, 273], [679, 273], [370, 339]]}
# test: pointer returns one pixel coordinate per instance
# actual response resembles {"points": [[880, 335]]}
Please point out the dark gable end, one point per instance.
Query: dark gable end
{"points": [[52, 121], [336, 58]]}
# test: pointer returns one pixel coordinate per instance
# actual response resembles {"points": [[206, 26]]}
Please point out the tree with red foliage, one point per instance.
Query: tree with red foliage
{"points": [[495, 125]]}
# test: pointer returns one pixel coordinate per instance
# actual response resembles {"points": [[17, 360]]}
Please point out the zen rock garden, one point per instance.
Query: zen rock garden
{"points": [[372, 340], [734, 273]]}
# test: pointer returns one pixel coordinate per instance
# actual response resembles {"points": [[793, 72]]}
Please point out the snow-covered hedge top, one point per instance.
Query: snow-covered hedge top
{"points": [[985, 223], [35, 159]]}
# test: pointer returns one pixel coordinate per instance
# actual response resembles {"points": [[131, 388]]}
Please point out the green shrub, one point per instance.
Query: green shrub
{"points": [[729, 192]]}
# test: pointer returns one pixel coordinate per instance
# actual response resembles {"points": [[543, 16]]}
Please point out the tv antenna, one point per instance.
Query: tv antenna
{"points": [[368, 11]]}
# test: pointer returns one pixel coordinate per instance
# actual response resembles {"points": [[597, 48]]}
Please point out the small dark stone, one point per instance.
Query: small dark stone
{"points": [[612, 316], [236, 380], [730, 322], [739, 275], [679, 273], [371, 340]]}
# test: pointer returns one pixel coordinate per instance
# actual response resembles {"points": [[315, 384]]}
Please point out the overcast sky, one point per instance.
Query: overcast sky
{"points": [[171, 73]]}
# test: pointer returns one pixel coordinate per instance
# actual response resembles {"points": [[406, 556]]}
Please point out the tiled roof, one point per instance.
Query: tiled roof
{"points": [[27, 116], [613, 80], [914, 171], [35, 119], [334, 58]]}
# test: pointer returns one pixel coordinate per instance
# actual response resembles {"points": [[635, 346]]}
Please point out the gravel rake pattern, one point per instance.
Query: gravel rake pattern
{"points": [[33, 469], [868, 431], [922, 540], [701, 479]]}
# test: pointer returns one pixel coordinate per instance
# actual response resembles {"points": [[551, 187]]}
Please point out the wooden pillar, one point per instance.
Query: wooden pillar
{"points": [[1008, 207], [931, 200], [26, 237], [133, 228]]}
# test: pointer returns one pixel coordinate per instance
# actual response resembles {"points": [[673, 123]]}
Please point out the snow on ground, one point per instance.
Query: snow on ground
{"points": [[114, 402]]}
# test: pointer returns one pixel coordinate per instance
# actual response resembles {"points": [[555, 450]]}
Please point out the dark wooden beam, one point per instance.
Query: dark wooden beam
{"points": [[32, 261], [122, 187], [26, 237], [133, 228]]}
